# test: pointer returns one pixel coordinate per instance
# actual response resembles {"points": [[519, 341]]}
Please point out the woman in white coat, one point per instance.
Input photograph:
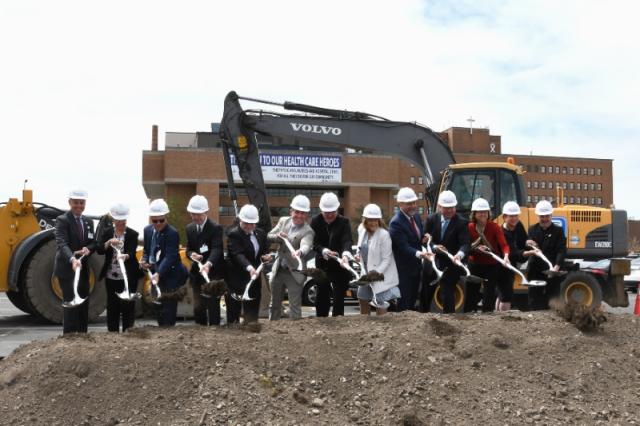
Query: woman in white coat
{"points": [[374, 243]]}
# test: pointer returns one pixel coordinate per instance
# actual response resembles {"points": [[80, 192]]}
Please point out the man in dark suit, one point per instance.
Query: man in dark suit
{"points": [[406, 234], [550, 239], [74, 238], [247, 245], [161, 256], [332, 238], [204, 244], [447, 228]]}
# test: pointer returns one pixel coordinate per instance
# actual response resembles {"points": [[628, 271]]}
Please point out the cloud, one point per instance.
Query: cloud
{"points": [[83, 83]]}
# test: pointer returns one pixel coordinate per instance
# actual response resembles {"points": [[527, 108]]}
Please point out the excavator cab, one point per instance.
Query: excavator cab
{"points": [[495, 182]]}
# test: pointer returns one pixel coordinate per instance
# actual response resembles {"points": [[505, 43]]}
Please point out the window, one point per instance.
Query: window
{"points": [[412, 180], [564, 185], [571, 200], [226, 211], [564, 170], [420, 210], [564, 199], [570, 170], [543, 185], [420, 180], [592, 186], [536, 169], [557, 170], [578, 186], [578, 200], [593, 200], [535, 184], [578, 170], [421, 195], [599, 187], [558, 185], [550, 185], [471, 184], [598, 172], [550, 168], [536, 199], [529, 184], [570, 185], [584, 170], [592, 171], [528, 198], [542, 197], [543, 169], [551, 199], [599, 201]]}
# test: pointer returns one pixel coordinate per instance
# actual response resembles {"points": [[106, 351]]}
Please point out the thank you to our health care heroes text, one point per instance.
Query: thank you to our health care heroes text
{"points": [[280, 167]]}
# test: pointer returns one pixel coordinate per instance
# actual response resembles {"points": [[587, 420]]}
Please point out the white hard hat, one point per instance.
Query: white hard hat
{"points": [[511, 208], [480, 205], [406, 195], [158, 207], [301, 203], [447, 199], [119, 211], [78, 194], [544, 208], [329, 202], [249, 214], [198, 204], [372, 211]]}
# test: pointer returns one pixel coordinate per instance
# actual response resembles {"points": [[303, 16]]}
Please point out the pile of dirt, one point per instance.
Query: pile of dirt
{"points": [[409, 368]]}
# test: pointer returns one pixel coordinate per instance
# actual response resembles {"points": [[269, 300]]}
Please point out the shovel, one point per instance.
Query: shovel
{"points": [[204, 274], [433, 262], [124, 295], [293, 252], [549, 272], [468, 277], [532, 283], [154, 285], [77, 300], [245, 295]]}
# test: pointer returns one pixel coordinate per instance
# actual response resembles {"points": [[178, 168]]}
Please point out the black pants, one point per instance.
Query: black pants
{"points": [[206, 310], [491, 274], [76, 319], [334, 286], [409, 284], [505, 285], [539, 296], [166, 313], [118, 308], [250, 309]]}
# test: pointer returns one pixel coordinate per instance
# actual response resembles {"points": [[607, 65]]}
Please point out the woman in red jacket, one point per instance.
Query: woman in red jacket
{"points": [[485, 235]]}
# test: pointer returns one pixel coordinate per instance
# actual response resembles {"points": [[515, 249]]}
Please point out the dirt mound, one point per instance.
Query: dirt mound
{"points": [[408, 368]]}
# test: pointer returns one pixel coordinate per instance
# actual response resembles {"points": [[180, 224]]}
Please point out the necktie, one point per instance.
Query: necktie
{"points": [[79, 229], [445, 223], [199, 227], [415, 227], [154, 241]]}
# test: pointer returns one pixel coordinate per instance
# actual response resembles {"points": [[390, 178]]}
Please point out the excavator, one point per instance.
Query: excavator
{"points": [[592, 233]]}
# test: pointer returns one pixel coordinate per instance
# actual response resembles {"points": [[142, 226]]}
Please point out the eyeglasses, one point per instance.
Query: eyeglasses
{"points": [[158, 221]]}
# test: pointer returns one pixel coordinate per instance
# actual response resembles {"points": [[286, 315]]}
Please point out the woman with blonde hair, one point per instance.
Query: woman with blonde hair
{"points": [[376, 255]]}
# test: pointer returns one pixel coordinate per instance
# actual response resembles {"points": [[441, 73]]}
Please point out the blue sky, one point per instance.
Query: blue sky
{"points": [[82, 82]]}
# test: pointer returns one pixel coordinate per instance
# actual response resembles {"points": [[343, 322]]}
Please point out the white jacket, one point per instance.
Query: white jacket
{"points": [[380, 258]]}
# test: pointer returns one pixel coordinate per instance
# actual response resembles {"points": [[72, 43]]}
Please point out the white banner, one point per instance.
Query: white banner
{"points": [[298, 168]]}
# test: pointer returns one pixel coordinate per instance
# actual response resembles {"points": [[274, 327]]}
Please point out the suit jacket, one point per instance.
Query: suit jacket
{"points": [[242, 254], [553, 244], [406, 242], [68, 241], [302, 240], [456, 237], [380, 258], [209, 239], [130, 247], [335, 237], [173, 273]]}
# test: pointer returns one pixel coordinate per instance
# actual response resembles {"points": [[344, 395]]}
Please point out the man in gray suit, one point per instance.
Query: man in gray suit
{"points": [[286, 270], [75, 239]]}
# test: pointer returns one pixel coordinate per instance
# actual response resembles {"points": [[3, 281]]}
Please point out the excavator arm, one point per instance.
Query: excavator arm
{"points": [[343, 129]]}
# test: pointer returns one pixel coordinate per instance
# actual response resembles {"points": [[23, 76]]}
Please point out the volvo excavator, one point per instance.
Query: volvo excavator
{"points": [[592, 233]]}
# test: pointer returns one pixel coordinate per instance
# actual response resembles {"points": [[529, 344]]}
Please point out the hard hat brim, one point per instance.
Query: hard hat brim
{"points": [[119, 216], [196, 211], [448, 204]]}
